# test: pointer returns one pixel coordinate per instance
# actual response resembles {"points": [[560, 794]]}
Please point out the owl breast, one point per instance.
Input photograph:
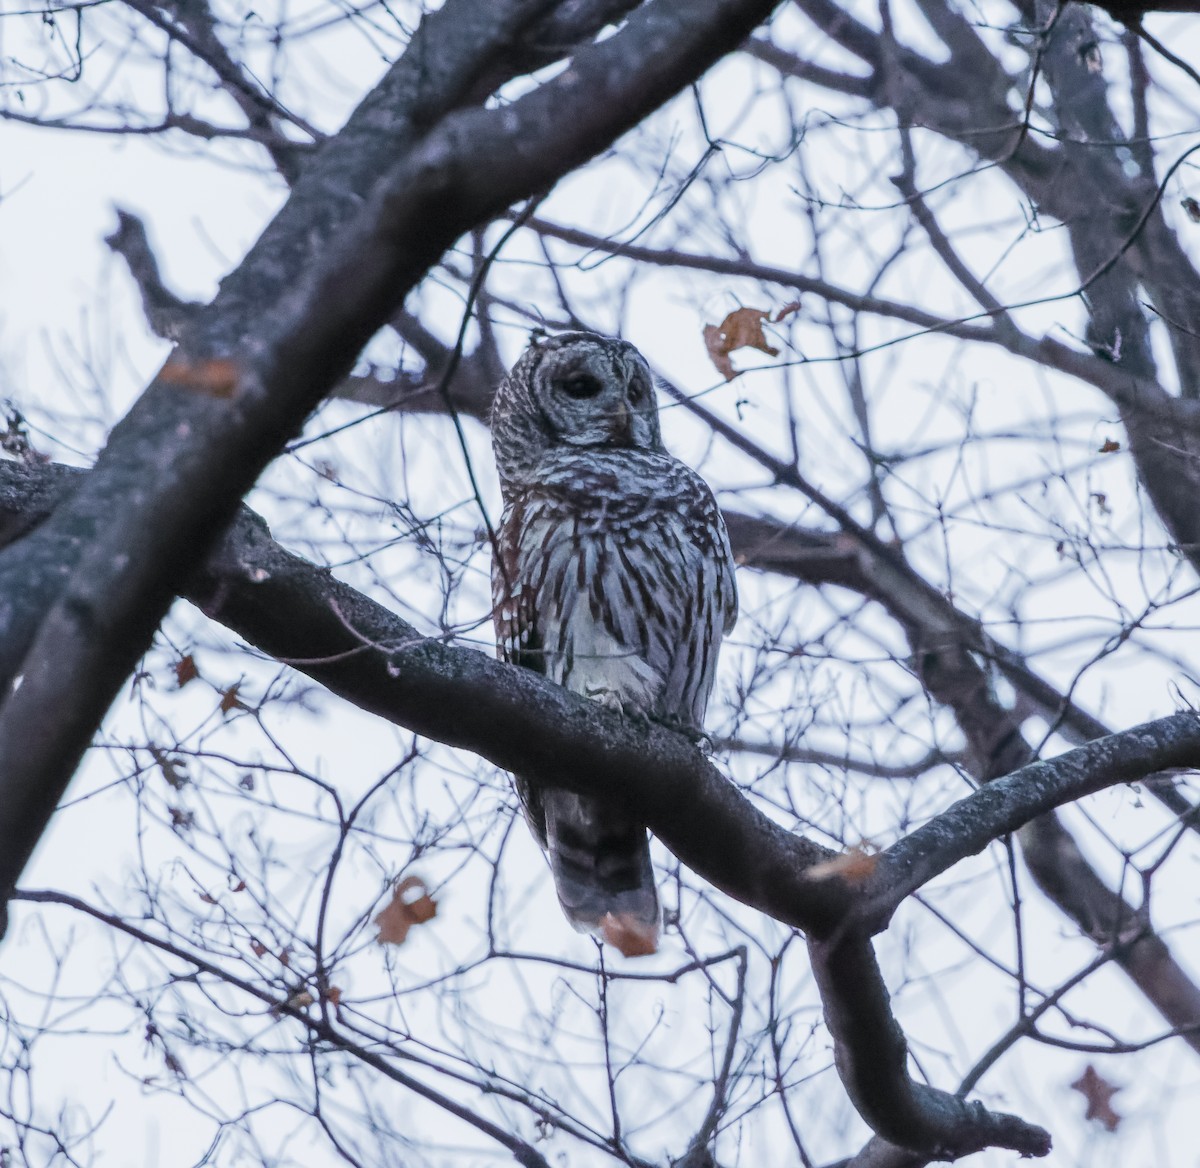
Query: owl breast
{"points": [[615, 580]]}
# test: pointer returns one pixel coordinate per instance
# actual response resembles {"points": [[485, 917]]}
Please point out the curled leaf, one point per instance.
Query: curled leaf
{"points": [[173, 770], [185, 670], [181, 818], [300, 1000], [410, 905], [230, 700], [742, 329]]}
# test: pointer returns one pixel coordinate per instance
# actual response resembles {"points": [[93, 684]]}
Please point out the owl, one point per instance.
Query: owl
{"points": [[612, 576]]}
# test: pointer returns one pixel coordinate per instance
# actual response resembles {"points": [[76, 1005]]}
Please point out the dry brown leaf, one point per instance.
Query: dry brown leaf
{"points": [[410, 905], [1191, 207], [741, 329], [334, 996], [1098, 1092], [185, 670], [217, 377], [230, 700], [855, 866], [1109, 445], [632, 937], [257, 948]]}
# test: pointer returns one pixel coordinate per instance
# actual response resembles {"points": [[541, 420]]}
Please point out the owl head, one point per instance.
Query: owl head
{"points": [[574, 390]]}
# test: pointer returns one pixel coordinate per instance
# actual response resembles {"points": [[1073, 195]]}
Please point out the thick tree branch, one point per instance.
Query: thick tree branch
{"points": [[1006, 804], [291, 609], [98, 577], [166, 313], [871, 1056], [470, 389]]}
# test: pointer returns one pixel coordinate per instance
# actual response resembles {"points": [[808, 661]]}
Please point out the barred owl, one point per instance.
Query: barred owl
{"points": [[613, 577]]}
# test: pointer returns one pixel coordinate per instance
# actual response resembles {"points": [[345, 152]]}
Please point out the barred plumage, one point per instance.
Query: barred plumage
{"points": [[613, 577]]}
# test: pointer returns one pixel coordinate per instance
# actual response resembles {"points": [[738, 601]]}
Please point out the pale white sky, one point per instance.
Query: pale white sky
{"points": [[73, 353]]}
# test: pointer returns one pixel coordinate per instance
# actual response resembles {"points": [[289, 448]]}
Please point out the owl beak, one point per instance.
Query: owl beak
{"points": [[622, 431]]}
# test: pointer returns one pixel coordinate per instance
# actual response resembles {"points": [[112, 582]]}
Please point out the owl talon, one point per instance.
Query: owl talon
{"points": [[608, 698]]}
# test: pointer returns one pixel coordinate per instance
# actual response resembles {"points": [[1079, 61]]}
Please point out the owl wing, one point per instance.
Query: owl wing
{"points": [[518, 639], [695, 574], [661, 592]]}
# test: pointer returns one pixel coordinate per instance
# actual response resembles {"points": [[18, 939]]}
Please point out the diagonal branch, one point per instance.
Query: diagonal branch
{"points": [[292, 609], [1006, 804], [1123, 386], [100, 574]]}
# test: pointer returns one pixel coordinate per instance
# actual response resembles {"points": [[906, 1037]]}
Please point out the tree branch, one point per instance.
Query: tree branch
{"points": [[1125, 387], [166, 313], [944, 642], [293, 610], [1006, 804], [192, 24], [97, 578]]}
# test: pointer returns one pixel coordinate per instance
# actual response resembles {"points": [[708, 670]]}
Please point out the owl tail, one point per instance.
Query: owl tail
{"points": [[600, 860]]}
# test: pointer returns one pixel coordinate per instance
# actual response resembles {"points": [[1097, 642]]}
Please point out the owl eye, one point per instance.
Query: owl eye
{"points": [[580, 385]]}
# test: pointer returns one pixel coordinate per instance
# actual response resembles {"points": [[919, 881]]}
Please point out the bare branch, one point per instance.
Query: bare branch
{"points": [[166, 313], [317, 1025]]}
